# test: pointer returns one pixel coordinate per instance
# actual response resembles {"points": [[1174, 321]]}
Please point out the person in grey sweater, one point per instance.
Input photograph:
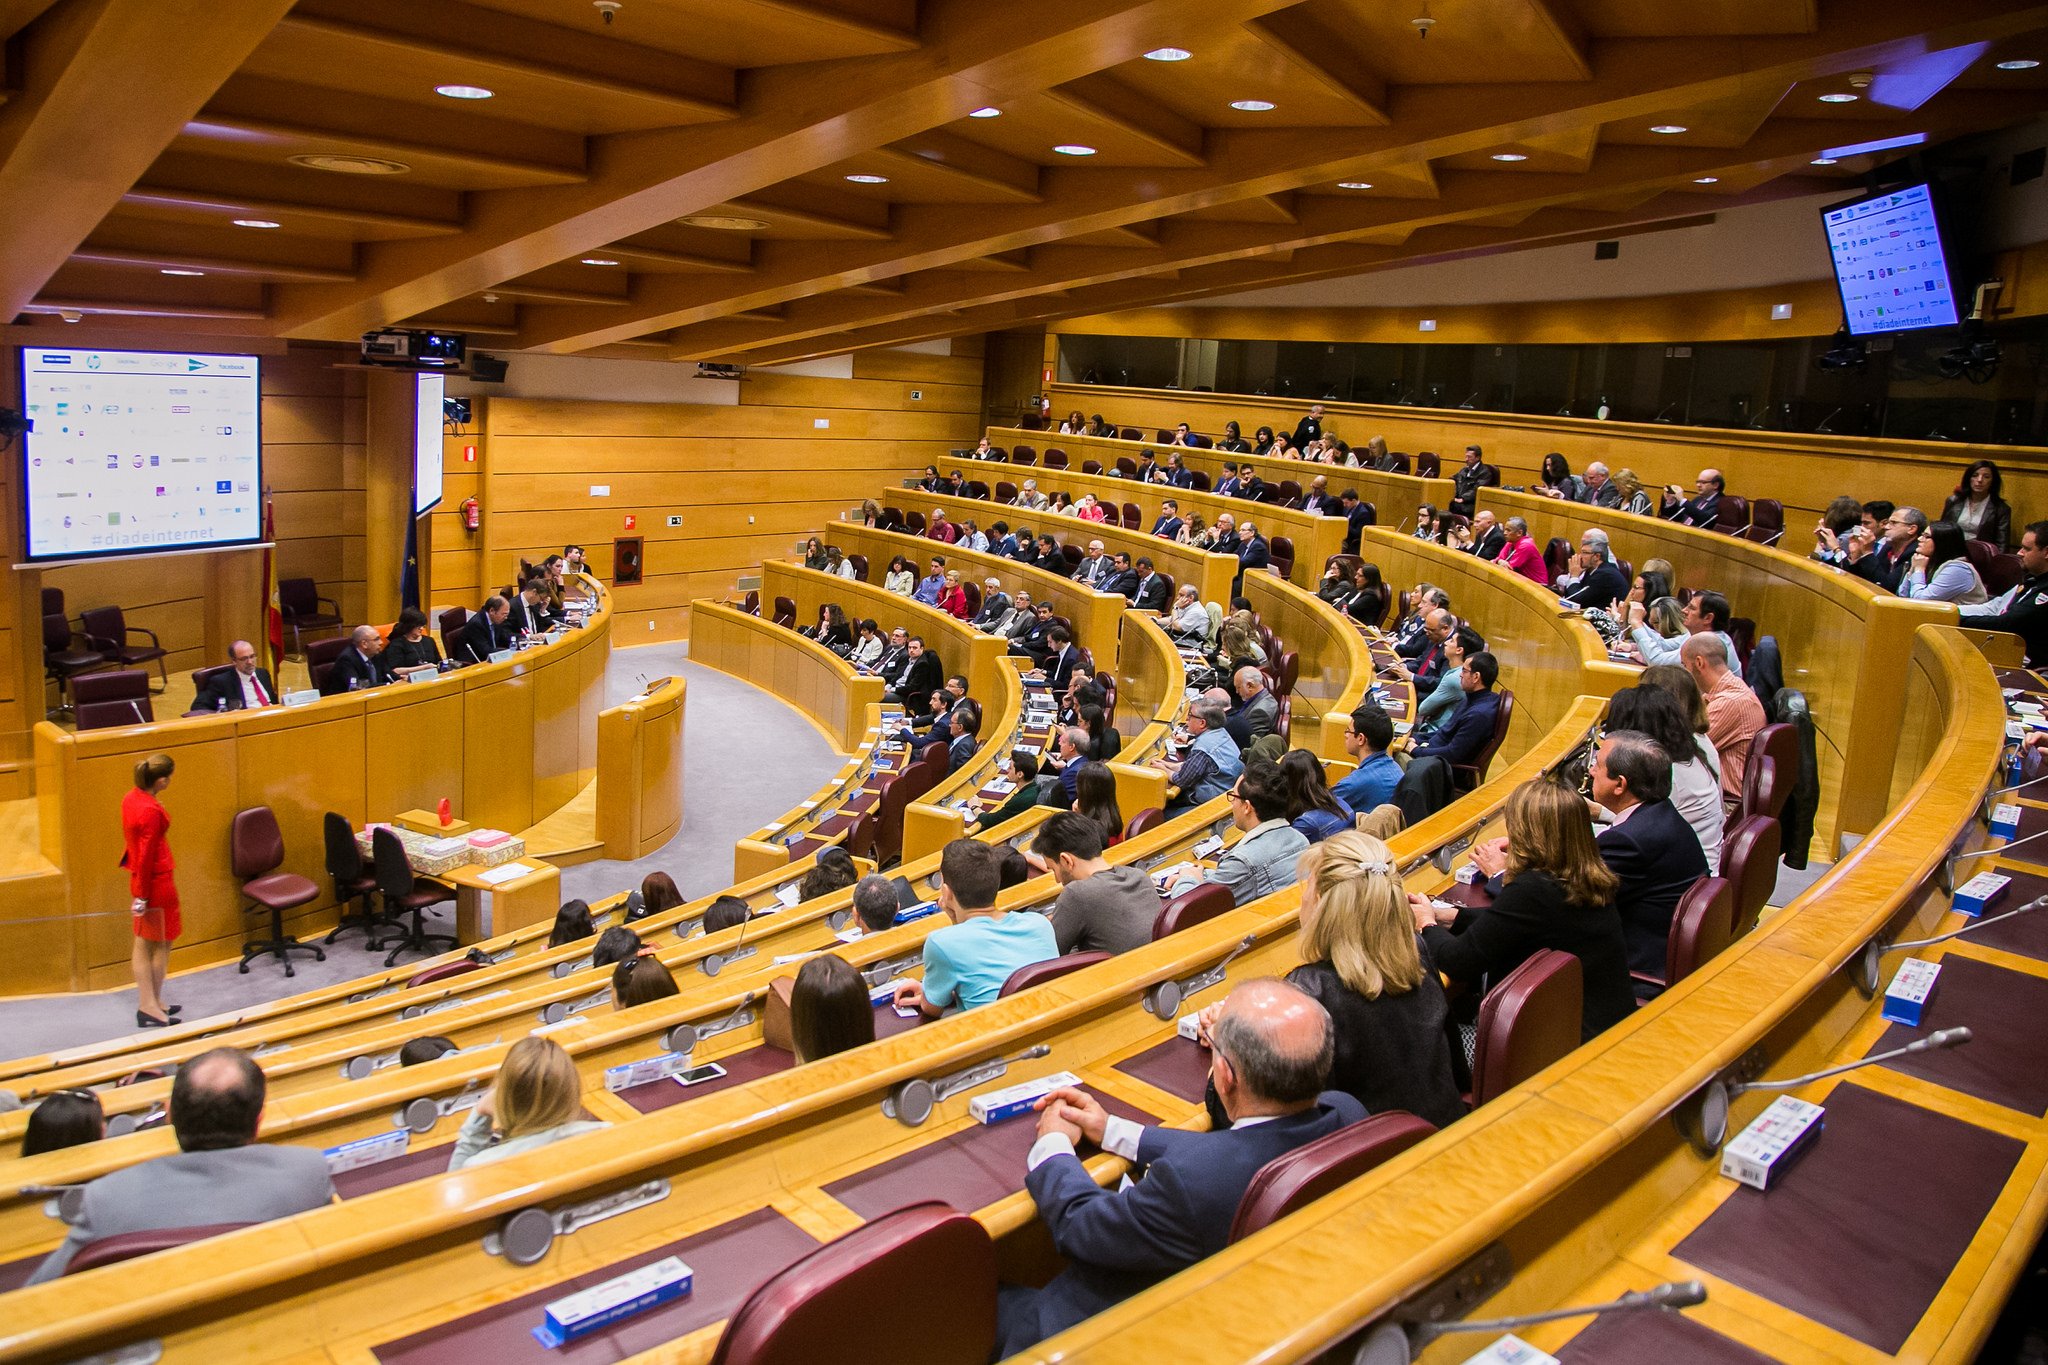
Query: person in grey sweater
{"points": [[537, 1099], [1101, 907], [1264, 860]]}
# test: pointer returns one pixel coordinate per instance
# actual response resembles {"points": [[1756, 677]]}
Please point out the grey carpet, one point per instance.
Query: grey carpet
{"points": [[747, 758]]}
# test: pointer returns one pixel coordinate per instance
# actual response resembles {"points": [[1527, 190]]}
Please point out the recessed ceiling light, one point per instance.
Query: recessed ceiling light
{"points": [[2019, 64], [725, 222], [1168, 54], [1252, 106], [1354, 184], [1509, 156], [1706, 180], [1074, 149], [464, 92], [167, 270], [350, 165], [1823, 161], [987, 111], [1839, 97], [255, 223], [599, 260], [1667, 128], [869, 179]]}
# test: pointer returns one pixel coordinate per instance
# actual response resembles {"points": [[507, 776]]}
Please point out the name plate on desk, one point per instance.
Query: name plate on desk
{"points": [[301, 697], [501, 655], [367, 1151], [1771, 1142], [613, 1301], [420, 675]]}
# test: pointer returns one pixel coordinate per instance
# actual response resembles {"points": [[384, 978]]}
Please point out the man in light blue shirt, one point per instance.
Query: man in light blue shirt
{"points": [[1212, 762], [933, 583], [1703, 611], [1372, 783], [967, 962]]}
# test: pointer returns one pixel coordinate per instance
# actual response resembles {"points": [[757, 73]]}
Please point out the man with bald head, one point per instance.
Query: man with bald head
{"points": [[220, 1173], [1255, 711], [356, 667], [1271, 1047], [1703, 508], [243, 685]]}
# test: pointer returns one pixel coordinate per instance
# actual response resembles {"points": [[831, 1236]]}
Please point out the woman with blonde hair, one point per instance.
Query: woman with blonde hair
{"points": [[1240, 640], [537, 1099], [1362, 961], [1633, 498], [1195, 533], [1551, 891]]}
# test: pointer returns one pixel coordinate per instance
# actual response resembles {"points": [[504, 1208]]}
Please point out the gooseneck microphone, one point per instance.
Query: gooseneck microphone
{"points": [[1702, 1117], [1396, 1343]]}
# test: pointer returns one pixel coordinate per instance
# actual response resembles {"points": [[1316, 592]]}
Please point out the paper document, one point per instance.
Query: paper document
{"points": [[508, 872]]}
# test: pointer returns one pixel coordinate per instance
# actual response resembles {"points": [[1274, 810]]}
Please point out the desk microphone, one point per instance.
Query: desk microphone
{"points": [[1954, 860], [1703, 1116], [1471, 400], [1395, 1343], [1664, 415], [1863, 967], [1772, 538], [1824, 429], [136, 707]]}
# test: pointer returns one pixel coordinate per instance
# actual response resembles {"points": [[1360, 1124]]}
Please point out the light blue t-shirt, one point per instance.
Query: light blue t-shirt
{"points": [[966, 964]]}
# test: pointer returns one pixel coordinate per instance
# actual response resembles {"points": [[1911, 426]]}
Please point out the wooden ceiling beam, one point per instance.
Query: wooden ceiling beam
{"points": [[681, 260], [211, 265], [1310, 45], [984, 167], [156, 63], [214, 127], [1108, 100], [1632, 78], [534, 293], [115, 308], [790, 121], [214, 201]]}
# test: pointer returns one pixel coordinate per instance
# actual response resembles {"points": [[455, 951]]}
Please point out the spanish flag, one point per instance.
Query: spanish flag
{"points": [[273, 608]]}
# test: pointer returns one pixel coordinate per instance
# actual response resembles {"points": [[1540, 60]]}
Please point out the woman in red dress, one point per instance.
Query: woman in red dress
{"points": [[153, 895]]}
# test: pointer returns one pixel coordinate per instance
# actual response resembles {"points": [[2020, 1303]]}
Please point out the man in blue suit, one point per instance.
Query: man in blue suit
{"points": [[1471, 725], [1649, 846], [1272, 1048], [1169, 523]]}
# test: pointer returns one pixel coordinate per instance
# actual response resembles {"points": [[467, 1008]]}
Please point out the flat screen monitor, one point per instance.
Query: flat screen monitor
{"points": [[139, 452], [1890, 263], [426, 446]]}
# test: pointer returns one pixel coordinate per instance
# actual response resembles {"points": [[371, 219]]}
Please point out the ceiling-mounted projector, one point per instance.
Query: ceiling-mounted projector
{"points": [[408, 349]]}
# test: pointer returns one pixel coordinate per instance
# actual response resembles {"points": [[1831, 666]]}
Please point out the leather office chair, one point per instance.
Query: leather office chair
{"points": [[1127, 466], [127, 1246], [1134, 517], [354, 881], [1288, 675], [1006, 492], [451, 623], [975, 489], [321, 654], [1306, 1174], [102, 700], [1282, 550], [256, 849], [1426, 464], [53, 602], [1091, 466], [1196, 905], [1290, 493], [405, 894], [107, 630], [442, 971], [916, 1286], [65, 655], [2005, 574], [1701, 926], [751, 603], [1557, 557], [1780, 744], [1152, 817], [891, 520], [1130, 434], [1055, 458], [913, 523], [1766, 522], [1200, 480], [860, 839], [785, 613], [1528, 1021], [1038, 973], [897, 794], [860, 566], [1401, 461], [1024, 455], [1749, 861], [1761, 790], [1731, 514], [299, 602], [1466, 777]]}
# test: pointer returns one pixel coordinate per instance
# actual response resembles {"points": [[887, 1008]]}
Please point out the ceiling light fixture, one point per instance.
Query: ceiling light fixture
{"points": [[464, 92], [1354, 184], [869, 179], [1706, 180], [1667, 128], [1509, 156], [1822, 161], [2019, 64], [349, 165], [725, 222], [167, 270], [256, 223], [1074, 149], [1839, 97], [599, 260], [1168, 54], [1422, 23], [1252, 106], [986, 111]]}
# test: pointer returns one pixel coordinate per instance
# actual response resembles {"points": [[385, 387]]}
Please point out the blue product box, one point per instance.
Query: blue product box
{"points": [[2005, 822], [1905, 1000], [1981, 892], [615, 1300], [918, 911]]}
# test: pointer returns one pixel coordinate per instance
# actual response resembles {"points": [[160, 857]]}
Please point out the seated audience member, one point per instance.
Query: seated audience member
{"points": [[967, 961], [1030, 499], [484, 633], [572, 924], [420, 1051], [72, 1118], [1411, 635], [941, 530], [814, 553], [1122, 578], [995, 605], [641, 981], [1648, 846], [1187, 623], [1050, 557], [356, 667], [2024, 609], [1976, 507], [243, 685], [537, 1099], [837, 564], [1252, 551], [1147, 591], [971, 536], [1473, 475], [1237, 645], [1002, 541], [219, 1174], [1437, 705], [1556, 480], [1335, 585], [1430, 525], [874, 904], [933, 481], [1168, 523], [1069, 752], [1522, 553], [1885, 561], [1734, 715], [1366, 601], [1649, 585], [1319, 499], [1061, 658], [1257, 711], [1630, 495], [1017, 621], [1101, 907], [1031, 641], [1371, 784], [1364, 964], [835, 871], [1842, 516], [616, 944], [1876, 513], [1555, 893], [1212, 761], [1941, 570], [1095, 798], [1089, 509], [1225, 541], [1232, 441], [833, 630], [1095, 566], [1272, 1046], [1177, 474], [1599, 581], [1458, 741], [1021, 769], [1704, 613], [1597, 489], [1703, 508], [1695, 768], [1262, 862], [933, 585], [1485, 538], [411, 648], [867, 646], [953, 597], [658, 895], [921, 676], [1311, 807], [1429, 660], [900, 578], [963, 729], [829, 1010], [527, 613], [727, 912]]}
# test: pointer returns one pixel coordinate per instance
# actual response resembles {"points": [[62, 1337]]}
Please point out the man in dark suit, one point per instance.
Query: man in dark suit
{"points": [[964, 729], [2024, 610], [1148, 593], [1051, 558], [1470, 727], [1472, 476], [1319, 499], [1121, 579], [1600, 582], [527, 614], [1271, 1052], [1226, 487], [1649, 846], [1249, 485], [1885, 562], [995, 604], [1177, 472], [1061, 659], [1438, 625], [1703, 508], [1357, 516], [356, 667], [1252, 550], [1169, 523], [1095, 568], [220, 1173], [484, 633], [1488, 540], [1032, 642], [894, 655], [921, 676], [234, 688], [1310, 427], [1149, 468]]}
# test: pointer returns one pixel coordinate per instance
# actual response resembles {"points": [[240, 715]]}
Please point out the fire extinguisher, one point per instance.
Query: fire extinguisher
{"points": [[472, 515]]}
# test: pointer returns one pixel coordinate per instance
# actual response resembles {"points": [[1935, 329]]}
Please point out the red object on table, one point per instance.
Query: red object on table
{"points": [[446, 812]]}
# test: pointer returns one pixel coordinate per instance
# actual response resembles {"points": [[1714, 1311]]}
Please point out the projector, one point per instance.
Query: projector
{"points": [[403, 348], [708, 370]]}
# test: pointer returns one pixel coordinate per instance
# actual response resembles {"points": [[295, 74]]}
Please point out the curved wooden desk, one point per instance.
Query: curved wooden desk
{"points": [[640, 758], [798, 670], [506, 743]]}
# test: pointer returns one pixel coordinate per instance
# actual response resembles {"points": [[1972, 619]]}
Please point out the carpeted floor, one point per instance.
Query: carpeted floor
{"points": [[747, 758]]}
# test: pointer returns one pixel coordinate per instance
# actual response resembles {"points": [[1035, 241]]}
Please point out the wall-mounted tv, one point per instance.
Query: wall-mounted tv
{"points": [[1890, 264]]}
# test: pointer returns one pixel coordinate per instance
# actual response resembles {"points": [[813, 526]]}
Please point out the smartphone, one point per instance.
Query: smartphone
{"points": [[697, 1075]]}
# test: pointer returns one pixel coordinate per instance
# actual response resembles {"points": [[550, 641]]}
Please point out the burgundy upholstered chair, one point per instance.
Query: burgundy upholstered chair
{"points": [[1038, 973], [119, 697], [1306, 1174], [1528, 1021], [127, 1246], [1749, 860], [1149, 818], [1196, 905], [106, 629], [354, 884], [256, 850], [299, 602]]}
